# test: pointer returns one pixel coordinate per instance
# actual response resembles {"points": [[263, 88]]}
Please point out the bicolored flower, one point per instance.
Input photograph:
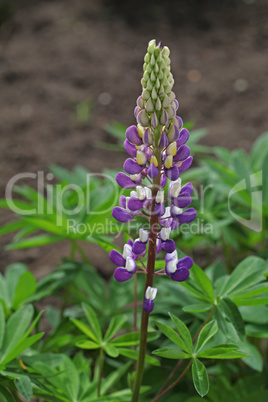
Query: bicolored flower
{"points": [[150, 295], [178, 269]]}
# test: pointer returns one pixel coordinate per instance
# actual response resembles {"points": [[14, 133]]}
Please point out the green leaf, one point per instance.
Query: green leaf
{"points": [[2, 325], [203, 282], [24, 386], [93, 320], [255, 360], [222, 352], [184, 333], [111, 350], [5, 395], [233, 314], [207, 332], [248, 273], [87, 344], [25, 288], [171, 353], [257, 301], [259, 151], [200, 377], [20, 347], [36, 241], [134, 354], [115, 324], [114, 378], [197, 308], [85, 329], [172, 335], [130, 339], [15, 328]]}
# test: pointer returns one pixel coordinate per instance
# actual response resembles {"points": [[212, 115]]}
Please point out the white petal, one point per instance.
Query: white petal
{"points": [[130, 264], [160, 197], [127, 251], [141, 194], [144, 235], [150, 293], [165, 232]]}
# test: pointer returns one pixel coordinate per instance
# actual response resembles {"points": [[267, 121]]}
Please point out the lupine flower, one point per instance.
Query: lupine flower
{"points": [[150, 294], [157, 151]]}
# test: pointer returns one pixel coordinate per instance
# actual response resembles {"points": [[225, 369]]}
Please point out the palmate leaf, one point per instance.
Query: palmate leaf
{"points": [[115, 324], [233, 314], [203, 282], [172, 335], [5, 395], [226, 351], [197, 308], [183, 332], [134, 354], [200, 377], [85, 329], [24, 386], [92, 320]]}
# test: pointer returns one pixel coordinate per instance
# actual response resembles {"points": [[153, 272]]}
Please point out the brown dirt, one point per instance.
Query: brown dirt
{"points": [[54, 54]]}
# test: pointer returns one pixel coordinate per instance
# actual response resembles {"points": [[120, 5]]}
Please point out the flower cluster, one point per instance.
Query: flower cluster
{"points": [[157, 152]]}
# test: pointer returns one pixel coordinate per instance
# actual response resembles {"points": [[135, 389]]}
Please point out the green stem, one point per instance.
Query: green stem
{"points": [[187, 368], [154, 221], [135, 316], [82, 254], [100, 371]]}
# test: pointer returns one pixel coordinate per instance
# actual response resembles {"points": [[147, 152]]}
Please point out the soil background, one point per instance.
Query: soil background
{"points": [[55, 54]]}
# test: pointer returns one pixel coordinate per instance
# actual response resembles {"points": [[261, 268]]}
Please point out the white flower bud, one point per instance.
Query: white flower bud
{"points": [[143, 235], [150, 293]]}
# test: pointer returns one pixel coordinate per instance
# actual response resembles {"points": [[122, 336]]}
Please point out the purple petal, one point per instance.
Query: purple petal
{"points": [[122, 201], [136, 111], [121, 215], [182, 153], [138, 247], [143, 119], [174, 225], [186, 164], [159, 209], [148, 306], [163, 180], [187, 188], [132, 135], [124, 181], [179, 120], [168, 246], [117, 258], [130, 242], [122, 275], [130, 148], [147, 137], [187, 216], [173, 173], [180, 275], [134, 204], [174, 211], [183, 138], [182, 201], [176, 104], [132, 167], [152, 171], [185, 262], [158, 247], [163, 141]]}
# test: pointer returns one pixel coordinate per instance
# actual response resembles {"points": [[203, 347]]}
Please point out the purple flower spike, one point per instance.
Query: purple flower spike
{"points": [[134, 204], [124, 181], [122, 275], [130, 148], [173, 173], [132, 135], [132, 167], [182, 153], [152, 171], [180, 275], [183, 138], [148, 306], [186, 164], [138, 247], [117, 258], [187, 216], [185, 262], [168, 246], [121, 215], [183, 200]]}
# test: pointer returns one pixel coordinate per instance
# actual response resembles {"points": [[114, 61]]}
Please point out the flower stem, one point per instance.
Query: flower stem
{"points": [[135, 315], [187, 368], [154, 221]]}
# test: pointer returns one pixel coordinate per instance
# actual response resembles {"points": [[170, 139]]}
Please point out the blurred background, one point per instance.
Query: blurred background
{"points": [[69, 67]]}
